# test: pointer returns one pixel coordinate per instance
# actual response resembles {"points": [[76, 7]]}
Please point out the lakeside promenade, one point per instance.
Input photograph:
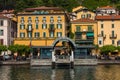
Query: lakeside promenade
{"points": [[27, 62]]}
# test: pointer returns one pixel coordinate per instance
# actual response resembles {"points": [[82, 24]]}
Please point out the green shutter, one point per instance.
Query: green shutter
{"points": [[89, 28], [78, 28], [36, 26]]}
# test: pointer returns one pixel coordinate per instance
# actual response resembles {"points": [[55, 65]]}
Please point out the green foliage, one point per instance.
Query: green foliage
{"points": [[20, 49], [3, 48], [118, 48], [107, 48], [71, 35], [68, 5], [96, 46]]}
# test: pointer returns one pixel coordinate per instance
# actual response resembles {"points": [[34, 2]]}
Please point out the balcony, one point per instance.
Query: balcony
{"points": [[100, 35], [84, 41], [29, 29], [113, 36], [51, 29]]}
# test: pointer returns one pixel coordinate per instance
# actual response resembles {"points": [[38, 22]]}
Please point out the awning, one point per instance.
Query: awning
{"points": [[90, 34]]}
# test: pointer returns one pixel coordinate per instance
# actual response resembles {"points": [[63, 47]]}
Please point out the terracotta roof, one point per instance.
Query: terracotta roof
{"points": [[109, 17], [106, 7], [83, 20], [43, 8]]}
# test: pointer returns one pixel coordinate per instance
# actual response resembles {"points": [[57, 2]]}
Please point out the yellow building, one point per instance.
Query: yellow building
{"points": [[85, 31], [84, 28], [108, 30], [82, 12], [40, 26]]}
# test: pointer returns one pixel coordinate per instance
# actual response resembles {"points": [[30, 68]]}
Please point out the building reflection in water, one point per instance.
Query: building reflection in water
{"points": [[5, 72], [62, 74], [100, 72], [107, 72]]}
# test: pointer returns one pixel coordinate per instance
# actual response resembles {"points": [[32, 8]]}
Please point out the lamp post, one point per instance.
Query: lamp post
{"points": [[29, 30]]}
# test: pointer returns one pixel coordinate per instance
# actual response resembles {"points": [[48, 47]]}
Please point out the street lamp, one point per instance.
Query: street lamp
{"points": [[29, 30]]}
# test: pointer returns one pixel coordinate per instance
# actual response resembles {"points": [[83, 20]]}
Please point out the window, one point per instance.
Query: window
{"points": [[101, 25], [78, 28], [1, 23], [112, 33], [37, 34], [51, 34], [22, 34], [1, 41], [59, 26], [36, 20], [113, 42], [89, 28], [22, 19], [29, 20], [44, 19], [29, 34], [44, 34], [112, 25], [59, 19], [51, 19], [36, 26], [29, 27], [102, 33], [22, 26], [44, 26], [59, 34], [51, 26], [88, 15], [82, 16], [1, 32], [100, 42]]}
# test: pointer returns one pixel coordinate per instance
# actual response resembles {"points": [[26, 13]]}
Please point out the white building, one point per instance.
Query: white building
{"points": [[107, 10], [7, 30]]}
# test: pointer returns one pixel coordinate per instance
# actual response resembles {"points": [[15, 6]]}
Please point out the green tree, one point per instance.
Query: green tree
{"points": [[20, 49], [3, 48], [107, 48]]}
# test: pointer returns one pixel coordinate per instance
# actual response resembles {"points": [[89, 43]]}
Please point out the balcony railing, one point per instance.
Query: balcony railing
{"points": [[51, 29], [113, 36], [85, 41], [29, 29]]}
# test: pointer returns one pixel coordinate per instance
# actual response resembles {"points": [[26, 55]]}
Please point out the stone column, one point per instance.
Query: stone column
{"points": [[72, 57], [53, 56], [53, 59]]}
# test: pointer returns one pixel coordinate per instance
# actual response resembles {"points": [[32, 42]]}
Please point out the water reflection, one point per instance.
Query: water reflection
{"points": [[101, 72], [5, 73]]}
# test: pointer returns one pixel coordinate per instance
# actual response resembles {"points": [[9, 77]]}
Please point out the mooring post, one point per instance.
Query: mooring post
{"points": [[53, 59], [72, 60]]}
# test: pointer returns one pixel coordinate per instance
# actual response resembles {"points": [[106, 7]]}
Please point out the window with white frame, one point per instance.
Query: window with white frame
{"points": [[22, 19], [22, 34], [29, 27], [59, 34], [44, 34], [37, 34], [59, 26], [1, 32], [22, 26], [59, 19], [51, 19], [44, 26], [29, 34], [1, 22], [51, 34]]}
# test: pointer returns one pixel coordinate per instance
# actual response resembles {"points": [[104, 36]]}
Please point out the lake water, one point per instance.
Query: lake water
{"points": [[100, 72]]}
